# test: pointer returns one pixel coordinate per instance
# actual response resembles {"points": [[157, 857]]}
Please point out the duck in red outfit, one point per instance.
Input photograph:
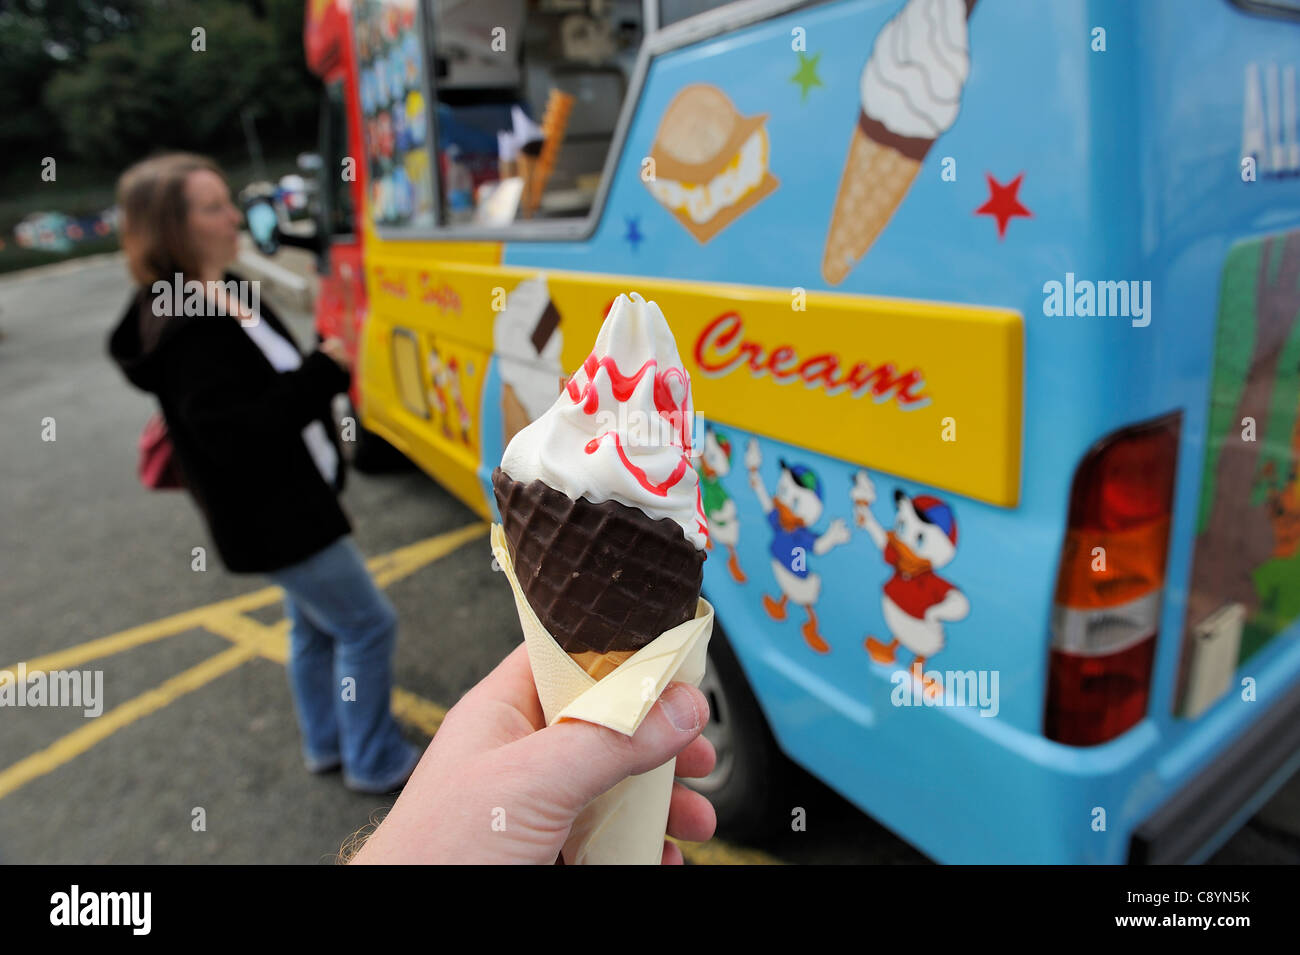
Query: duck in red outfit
{"points": [[916, 601]]}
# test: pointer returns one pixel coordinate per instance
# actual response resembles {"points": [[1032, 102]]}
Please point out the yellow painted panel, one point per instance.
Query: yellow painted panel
{"points": [[928, 391]]}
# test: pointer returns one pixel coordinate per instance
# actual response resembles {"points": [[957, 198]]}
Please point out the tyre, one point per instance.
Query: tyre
{"points": [[748, 783]]}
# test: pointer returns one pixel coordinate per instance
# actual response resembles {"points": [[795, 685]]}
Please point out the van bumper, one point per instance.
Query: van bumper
{"points": [[1196, 820]]}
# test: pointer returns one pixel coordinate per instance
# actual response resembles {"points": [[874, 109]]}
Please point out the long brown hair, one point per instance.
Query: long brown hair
{"points": [[153, 210], [154, 232]]}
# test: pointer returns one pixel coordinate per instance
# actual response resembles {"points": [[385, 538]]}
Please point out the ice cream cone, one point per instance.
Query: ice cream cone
{"points": [[604, 579], [626, 825], [514, 417], [601, 665], [602, 538], [877, 175]]}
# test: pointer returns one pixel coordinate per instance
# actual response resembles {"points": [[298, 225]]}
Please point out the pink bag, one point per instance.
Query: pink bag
{"points": [[158, 469]]}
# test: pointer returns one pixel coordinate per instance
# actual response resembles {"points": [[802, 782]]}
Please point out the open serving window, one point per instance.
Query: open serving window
{"points": [[393, 82]]}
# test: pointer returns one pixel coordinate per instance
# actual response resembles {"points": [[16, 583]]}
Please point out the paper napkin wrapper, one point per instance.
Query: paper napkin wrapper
{"points": [[625, 826]]}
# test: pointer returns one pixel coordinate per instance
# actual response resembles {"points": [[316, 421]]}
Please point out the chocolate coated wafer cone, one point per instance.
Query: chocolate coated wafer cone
{"points": [[602, 578]]}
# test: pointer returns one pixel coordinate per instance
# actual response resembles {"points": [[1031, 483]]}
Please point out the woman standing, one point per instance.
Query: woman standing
{"points": [[251, 430]]}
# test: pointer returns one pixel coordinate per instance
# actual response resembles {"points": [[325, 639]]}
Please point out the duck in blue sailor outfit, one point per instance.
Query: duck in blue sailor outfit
{"points": [[791, 510]]}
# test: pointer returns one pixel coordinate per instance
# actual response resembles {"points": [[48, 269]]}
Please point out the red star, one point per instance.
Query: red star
{"points": [[1003, 203]]}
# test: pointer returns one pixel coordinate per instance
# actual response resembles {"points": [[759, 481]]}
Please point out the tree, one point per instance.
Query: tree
{"points": [[149, 89]]}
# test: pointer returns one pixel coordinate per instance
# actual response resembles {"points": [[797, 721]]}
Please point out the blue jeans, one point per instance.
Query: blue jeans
{"points": [[343, 632]]}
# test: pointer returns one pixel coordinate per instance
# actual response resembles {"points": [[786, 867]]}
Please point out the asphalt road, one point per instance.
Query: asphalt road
{"points": [[197, 712]]}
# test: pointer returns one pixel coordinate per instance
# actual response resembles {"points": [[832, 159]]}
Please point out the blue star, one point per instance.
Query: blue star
{"points": [[633, 231]]}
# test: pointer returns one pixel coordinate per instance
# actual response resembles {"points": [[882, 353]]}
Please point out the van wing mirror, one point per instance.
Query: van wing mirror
{"points": [[263, 224], [262, 213]]}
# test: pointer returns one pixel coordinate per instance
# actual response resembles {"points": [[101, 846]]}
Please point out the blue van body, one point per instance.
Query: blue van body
{"points": [[1129, 166]]}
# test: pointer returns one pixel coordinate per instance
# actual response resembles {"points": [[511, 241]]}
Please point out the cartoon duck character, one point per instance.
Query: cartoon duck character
{"points": [[719, 508], [916, 601], [453, 385], [791, 511], [438, 375]]}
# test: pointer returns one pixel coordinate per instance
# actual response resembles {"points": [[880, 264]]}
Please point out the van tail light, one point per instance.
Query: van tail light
{"points": [[1106, 611]]}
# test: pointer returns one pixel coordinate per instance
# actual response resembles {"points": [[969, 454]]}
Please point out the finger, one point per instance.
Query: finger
{"points": [[510, 683], [672, 855], [696, 760], [573, 762], [691, 817]]}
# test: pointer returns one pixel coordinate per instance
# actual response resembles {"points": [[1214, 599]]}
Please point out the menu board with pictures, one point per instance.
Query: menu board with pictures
{"points": [[390, 61]]}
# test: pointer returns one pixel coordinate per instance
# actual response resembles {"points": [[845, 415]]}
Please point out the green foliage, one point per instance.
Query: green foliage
{"points": [[104, 84], [1234, 343], [1277, 581]]}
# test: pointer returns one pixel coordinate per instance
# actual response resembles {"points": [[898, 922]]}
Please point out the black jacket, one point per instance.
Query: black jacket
{"points": [[236, 430]]}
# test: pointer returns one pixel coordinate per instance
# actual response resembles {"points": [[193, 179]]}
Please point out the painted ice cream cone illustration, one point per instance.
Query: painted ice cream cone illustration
{"points": [[710, 162], [910, 94], [514, 415], [602, 539], [527, 340]]}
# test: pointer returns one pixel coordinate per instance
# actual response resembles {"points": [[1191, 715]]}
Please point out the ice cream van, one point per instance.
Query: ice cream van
{"points": [[990, 312]]}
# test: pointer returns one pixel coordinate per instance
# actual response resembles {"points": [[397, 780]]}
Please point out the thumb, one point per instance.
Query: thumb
{"points": [[574, 762]]}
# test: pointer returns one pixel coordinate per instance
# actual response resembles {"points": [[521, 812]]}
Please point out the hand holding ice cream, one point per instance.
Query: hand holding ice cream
{"points": [[602, 538], [494, 758]]}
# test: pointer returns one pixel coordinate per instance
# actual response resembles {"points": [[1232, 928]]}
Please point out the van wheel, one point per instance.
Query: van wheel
{"points": [[368, 452], [747, 785]]}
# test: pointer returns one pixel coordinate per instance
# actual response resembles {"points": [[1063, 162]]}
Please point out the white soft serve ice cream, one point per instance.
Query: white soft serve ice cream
{"points": [[912, 83], [621, 429]]}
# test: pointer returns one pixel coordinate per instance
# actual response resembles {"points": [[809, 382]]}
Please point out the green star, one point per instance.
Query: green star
{"points": [[806, 77]]}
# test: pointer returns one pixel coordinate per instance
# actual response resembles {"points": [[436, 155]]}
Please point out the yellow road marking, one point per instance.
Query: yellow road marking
{"points": [[406, 560], [252, 639], [68, 747], [73, 657], [416, 711], [716, 852], [270, 642], [385, 568]]}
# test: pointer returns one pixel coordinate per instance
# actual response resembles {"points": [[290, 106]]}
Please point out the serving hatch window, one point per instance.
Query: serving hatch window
{"points": [[395, 129], [528, 95], [673, 11]]}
